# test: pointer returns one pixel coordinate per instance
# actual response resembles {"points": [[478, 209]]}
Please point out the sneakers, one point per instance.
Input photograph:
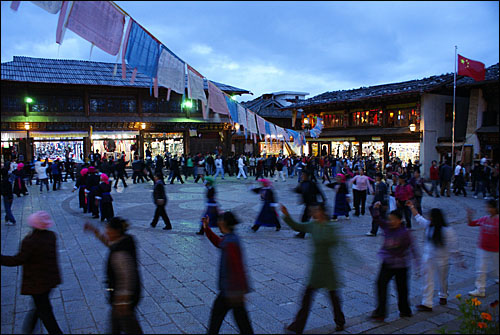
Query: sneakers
{"points": [[443, 301], [423, 308], [370, 234], [477, 293]]}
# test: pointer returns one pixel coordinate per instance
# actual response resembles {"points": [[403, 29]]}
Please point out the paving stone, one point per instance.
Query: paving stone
{"points": [[157, 319], [442, 318], [419, 327]]}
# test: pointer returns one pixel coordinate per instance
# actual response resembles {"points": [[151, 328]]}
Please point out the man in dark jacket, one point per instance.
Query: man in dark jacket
{"points": [[159, 166], [160, 200], [120, 171], [136, 167], [8, 196], [38, 256], [176, 173], [445, 175], [310, 192], [93, 181]]}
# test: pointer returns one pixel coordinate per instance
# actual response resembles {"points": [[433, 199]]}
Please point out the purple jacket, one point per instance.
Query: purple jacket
{"points": [[398, 244]]}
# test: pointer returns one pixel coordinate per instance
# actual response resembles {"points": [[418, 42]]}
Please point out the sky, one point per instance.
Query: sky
{"points": [[306, 46]]}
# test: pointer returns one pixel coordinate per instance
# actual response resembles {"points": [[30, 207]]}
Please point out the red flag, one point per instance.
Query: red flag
{"points": [[471, 68]]}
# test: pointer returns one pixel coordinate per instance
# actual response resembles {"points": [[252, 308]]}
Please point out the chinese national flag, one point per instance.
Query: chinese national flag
{"points": [[471, 68]]}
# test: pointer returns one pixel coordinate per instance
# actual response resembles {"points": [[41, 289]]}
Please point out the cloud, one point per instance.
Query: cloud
{"points": [[201, 49]]}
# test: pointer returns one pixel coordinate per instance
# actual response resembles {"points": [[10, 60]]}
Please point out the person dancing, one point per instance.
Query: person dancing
{"points": [[267, 216], [212, 211]]}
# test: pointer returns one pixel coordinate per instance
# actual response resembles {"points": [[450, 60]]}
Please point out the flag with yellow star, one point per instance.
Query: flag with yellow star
{"points": [[471, 68]]}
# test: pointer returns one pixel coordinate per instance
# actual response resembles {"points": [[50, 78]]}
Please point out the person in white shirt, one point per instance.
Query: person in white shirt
{"points": [[241, 167], [440, 242], [219, 168]]}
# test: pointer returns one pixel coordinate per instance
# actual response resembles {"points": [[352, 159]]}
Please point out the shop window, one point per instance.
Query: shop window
{"points": [[366, 118], [74, 105], [97, 105], [149, 105], [12, 103], [333, 120], [113, 105], [402, 117], [40, 105]]}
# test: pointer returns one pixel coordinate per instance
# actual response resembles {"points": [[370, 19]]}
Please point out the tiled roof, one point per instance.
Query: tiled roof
{"points": [[70, 71], [412, 86], [267, 107]]}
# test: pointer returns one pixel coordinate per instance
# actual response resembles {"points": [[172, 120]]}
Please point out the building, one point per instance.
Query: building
{"points": [[50, 105], [411, 120], [271, 106]]}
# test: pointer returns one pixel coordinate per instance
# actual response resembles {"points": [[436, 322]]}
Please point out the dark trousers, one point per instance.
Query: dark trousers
{"points": [[57, 182], [127, 324], [70, 174], [42, 311], [219, 311], [137, 176], [301, 318], [200, 176], [418, 204], [178, 176], [359, 199], [385, 275], [42, 182], [120, 176], [92, 208], [405, 212], [160, 211], [306, 216], [375, 226]]}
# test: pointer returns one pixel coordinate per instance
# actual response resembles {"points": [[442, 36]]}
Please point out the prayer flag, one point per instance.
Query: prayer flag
{"points": [[196, 89], [233, 109], [252, 125], [471, 68], [216, 99], [261, 124], [242, 116], [50, 6], [171, 71]]}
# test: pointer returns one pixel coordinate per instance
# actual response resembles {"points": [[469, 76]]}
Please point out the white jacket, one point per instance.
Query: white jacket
{"points": [[241, 163], [449, 237], [218, 163], [41, 171]]}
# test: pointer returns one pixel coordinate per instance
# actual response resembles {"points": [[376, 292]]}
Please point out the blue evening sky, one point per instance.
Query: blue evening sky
{"points": [[275, 46]]}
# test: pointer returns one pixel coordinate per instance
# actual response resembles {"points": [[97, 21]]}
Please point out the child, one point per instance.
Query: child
{"points": [[395, 255], [440, 241], [323, 272], [488, 245], [103, 195], [233, 284], [267, 216], [212, 211], [342, 198]]}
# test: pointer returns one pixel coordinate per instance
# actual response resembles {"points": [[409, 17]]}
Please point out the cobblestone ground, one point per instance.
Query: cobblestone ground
{"points": [[179, 268]]}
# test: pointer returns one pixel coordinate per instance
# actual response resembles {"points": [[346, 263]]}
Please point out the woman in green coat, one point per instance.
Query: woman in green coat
{"points": [[323, 273]]}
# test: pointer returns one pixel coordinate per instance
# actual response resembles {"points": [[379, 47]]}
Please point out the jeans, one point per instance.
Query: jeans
{"points": [[7, 204], [57, 182], [219, 310], [219, 171], [300, 320], [44, 181], [385, 275], [481, 187], [42, 311], [405, 212], [483, 257], [435, 188]]}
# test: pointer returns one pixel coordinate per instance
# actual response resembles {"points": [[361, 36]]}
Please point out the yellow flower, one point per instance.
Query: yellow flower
{"points": [[482, 325], [458, 296], [477, 303], [486, 316]]}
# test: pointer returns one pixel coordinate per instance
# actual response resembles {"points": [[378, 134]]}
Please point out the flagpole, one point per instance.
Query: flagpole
{"points": [[453, 127]]}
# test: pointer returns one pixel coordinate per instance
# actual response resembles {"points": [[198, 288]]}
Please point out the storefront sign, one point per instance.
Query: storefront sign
{"points": [[7, 136], [329, 139], [49, 134]]}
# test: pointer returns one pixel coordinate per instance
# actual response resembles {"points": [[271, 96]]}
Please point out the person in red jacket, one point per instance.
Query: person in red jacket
{"points": [[434, 175], [487, 250]]}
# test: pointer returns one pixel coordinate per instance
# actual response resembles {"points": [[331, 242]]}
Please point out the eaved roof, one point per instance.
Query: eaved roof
{"points": [[80, 72], [362, 93]]}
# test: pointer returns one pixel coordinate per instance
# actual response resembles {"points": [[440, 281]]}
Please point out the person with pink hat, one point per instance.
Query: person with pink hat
{"points": [[81, 182], [39, 258], [19, 185], [342, 198], [267, 216], [104, 199], [93, 180]]}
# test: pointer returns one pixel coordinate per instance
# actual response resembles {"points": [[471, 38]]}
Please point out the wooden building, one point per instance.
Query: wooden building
{"points": [[50, 105]]}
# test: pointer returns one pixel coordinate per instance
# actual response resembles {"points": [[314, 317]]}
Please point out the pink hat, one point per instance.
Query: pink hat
{"points": [[265, 182], [40, 220], [105, 178], [84, 171], [91, 169], [341, 176], [20, 166]]}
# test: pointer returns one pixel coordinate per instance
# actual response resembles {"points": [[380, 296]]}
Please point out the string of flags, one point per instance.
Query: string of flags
{"points": [[102, 23]]}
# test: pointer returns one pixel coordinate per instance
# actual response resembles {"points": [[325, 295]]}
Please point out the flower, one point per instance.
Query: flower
{"points": [[482, 325], [494, 304], [477, 303], [486, 316], [458, 296]]}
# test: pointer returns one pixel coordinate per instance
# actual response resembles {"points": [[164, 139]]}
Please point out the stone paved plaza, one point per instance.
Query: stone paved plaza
{"points": [[179, 268]]}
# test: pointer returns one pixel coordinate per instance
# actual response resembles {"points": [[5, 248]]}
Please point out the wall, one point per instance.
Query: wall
{"points": [[477, 106]]}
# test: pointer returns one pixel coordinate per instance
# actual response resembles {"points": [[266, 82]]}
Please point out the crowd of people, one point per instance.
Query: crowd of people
{"points": [[397, 189]]}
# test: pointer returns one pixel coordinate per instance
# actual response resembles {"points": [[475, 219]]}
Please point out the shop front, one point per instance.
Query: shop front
{"points": [[58, 145], [404, 151], [13, 144], [114, 143], [373, 149], [159, 143], [268, 148]]}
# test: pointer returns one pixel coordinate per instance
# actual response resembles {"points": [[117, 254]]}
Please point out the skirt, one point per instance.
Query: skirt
{"points": [[341, 205], [267, 216]]}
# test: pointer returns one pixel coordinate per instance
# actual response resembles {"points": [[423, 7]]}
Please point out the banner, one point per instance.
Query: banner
{"points": [[98, 22], [196, 90], [242, 116], [252, 125], [261, 124], [171, 72], [233, 109], [53, 7], [216, 100]]}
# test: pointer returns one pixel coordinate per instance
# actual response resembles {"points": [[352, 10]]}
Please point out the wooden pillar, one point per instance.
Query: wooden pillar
{"points": [[187, 142], [86, 103], [386, 152], [360, 149]]}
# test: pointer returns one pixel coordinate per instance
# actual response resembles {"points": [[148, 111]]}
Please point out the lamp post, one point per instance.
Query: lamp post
{"points": [[28, 101], [187, 105]]}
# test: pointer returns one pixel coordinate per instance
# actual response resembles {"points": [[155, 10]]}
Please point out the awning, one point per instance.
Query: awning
{"points": [[59, 134], [114, 134], [10, 135]]}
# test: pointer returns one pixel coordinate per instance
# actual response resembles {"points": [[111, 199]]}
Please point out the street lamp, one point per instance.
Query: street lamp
{"points": [[237, 126], [187, 104], [28, 101], [27, 125], [143, 126], [412, 127]]}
